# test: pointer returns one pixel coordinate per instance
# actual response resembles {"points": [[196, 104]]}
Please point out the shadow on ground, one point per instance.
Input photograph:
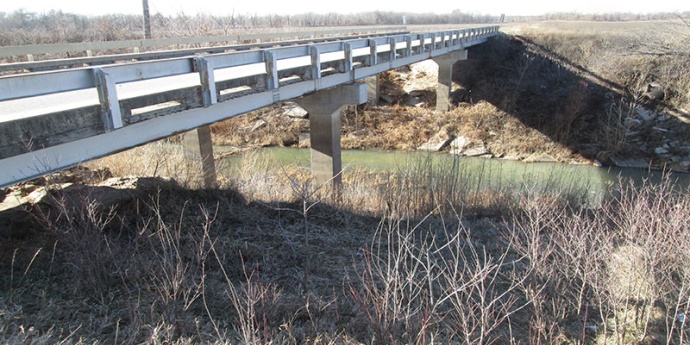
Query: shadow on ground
{"points": [[574, 106]]}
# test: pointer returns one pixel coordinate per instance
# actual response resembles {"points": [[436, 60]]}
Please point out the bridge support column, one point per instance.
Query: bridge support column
{"points": [[324, 127], [445, 77], [198, 148], [373, 89]]}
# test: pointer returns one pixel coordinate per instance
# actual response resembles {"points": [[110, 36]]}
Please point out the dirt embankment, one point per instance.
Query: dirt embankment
{"points": [[555, 94]]}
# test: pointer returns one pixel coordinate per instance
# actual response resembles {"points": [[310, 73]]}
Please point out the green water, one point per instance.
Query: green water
{"points": [[595, 182]]}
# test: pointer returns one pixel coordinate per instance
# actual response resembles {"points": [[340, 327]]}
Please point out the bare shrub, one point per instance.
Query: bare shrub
{"points": [[615, 274], [161, 158], [421, 282], [615, 127]]}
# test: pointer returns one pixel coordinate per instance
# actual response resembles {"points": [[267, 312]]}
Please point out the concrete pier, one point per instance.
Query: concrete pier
{"points": [[199, 148], [445, 77], [373, 94], [324, 125]]}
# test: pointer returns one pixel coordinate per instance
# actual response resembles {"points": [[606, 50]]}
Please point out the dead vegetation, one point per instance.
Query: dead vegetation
{"points": [[421, 255]]}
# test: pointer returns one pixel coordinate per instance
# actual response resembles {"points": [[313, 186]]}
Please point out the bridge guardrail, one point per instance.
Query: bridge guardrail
{"points": [[44, 65], [58, 48]]}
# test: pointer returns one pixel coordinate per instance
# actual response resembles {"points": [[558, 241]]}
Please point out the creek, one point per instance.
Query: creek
{"points": [[594, 182]]}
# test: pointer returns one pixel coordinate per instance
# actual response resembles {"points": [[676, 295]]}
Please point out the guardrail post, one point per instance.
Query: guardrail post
{"points": [[209, 96], [422, 41], [315, 70], [408, 48], [433, 42], [107, 96], [272, 81], [373, 53], [347, 50], [393, 53]]}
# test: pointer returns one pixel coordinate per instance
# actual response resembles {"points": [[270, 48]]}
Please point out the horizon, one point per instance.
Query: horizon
{"points": [[224, 8]]}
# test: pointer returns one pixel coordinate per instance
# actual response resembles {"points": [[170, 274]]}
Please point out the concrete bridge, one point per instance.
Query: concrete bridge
{"points": [[58, 119]]}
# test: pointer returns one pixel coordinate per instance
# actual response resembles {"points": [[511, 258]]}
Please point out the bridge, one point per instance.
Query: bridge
{"points": [[57, 119]]}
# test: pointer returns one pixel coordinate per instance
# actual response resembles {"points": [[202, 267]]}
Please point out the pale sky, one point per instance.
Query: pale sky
{"points": [[224, 7]]}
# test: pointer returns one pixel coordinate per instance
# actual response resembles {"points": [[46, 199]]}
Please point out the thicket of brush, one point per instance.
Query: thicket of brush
{"points": [[422, 255]]}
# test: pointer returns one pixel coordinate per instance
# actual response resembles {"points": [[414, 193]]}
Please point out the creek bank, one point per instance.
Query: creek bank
{"points": [[638, 138], [75, 189]]}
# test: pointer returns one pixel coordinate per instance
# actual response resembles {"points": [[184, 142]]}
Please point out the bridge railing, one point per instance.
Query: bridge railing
{"points": [[31, 53], [119, 96]]}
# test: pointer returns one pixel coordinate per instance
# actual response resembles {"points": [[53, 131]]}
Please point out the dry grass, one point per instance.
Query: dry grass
{"points": [[411, 256]]}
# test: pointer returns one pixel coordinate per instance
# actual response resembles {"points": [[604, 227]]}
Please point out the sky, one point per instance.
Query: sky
{"points": [[225, 7]]}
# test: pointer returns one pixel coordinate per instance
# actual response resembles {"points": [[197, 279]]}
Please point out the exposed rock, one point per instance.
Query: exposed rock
{"points": [[685, 163], [422, 75], [479, 150], [629, 162], [304, 139], [459, 144], [540, 158], [644, 115], [511, 158], [259, 124], [632, 122], [291, 109], [414, 101], [435, 144], [654, 91], [660, 150]]}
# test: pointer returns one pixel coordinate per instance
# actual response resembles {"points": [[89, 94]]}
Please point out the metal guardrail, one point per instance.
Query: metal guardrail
{"points": [[58, 48], [126, 105], [164, 54]]}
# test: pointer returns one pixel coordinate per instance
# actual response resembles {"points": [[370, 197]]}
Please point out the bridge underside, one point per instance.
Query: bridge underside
{"points": [[324, 108]]}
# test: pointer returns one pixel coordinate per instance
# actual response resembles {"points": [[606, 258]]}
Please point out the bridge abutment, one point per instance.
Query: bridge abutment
{"points": [[198, 148], [445, 77], [324, 127]]}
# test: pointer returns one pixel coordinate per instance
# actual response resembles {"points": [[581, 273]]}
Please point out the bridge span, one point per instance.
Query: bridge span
{"points": [[58, 119]]}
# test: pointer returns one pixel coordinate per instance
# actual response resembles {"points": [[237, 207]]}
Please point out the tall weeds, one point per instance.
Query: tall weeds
{"points": [[422, 265]]}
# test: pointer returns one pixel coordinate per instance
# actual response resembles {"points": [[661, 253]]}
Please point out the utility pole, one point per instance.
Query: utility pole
{"points": [[147, 20]]}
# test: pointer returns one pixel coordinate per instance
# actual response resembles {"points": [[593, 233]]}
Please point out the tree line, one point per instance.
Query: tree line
{"points": [[23, 27]]}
